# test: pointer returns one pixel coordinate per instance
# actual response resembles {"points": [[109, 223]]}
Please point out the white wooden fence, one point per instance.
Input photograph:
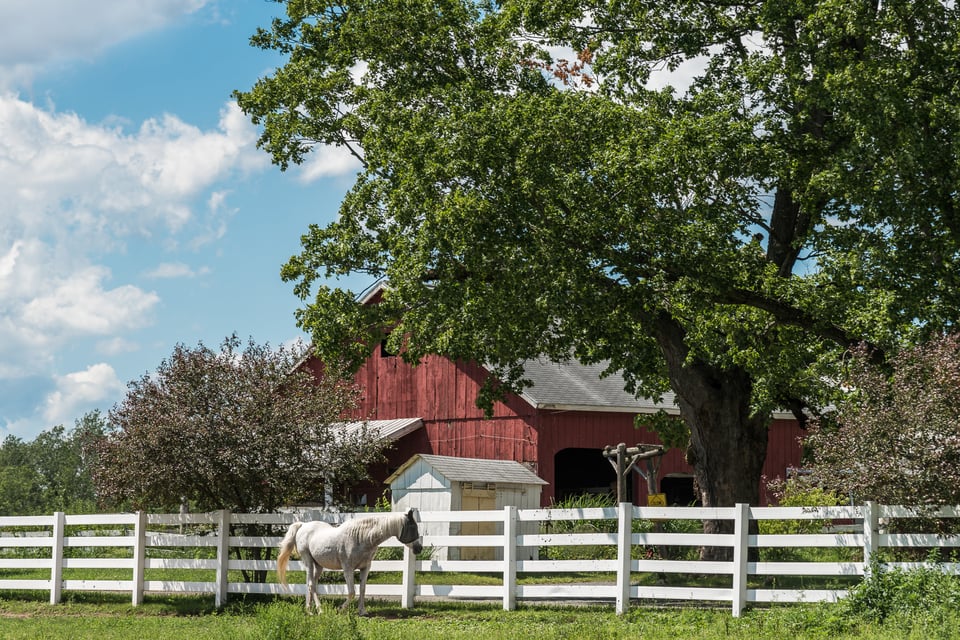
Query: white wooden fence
{"points": [[142, 547]]}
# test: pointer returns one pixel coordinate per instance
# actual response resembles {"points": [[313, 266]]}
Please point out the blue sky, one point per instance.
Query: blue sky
{"points": [[135, 209]]}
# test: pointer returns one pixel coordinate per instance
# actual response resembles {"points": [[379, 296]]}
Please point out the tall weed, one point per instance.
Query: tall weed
{"points": [[585, 552], [285, 620]]}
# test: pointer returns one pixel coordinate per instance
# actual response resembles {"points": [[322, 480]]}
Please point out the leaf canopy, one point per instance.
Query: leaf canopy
{"points": [[530, 186]]}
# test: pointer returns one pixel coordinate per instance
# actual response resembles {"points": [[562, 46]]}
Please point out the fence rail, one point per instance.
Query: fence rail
{"points": [[142, 553]]}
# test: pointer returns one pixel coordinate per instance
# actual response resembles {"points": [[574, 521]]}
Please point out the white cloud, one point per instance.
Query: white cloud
{"points": [[328, 161], [167, 270], [116, 346], [79, 304], [49, 296], [81, 200], [174, 158], [680, 78], [59, 172], [77, 192], [49, 32], [81, 391]]}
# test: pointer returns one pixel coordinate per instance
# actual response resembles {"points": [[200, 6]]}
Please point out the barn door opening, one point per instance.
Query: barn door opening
{"points": [[679, 490], [584, 471]]}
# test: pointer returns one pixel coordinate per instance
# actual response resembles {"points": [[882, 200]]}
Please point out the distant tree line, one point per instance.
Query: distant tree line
{"points": [[53, 472], [244, 427]]}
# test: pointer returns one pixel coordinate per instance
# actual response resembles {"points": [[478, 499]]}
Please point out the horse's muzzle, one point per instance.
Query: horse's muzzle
{"points": [[416, 546]]}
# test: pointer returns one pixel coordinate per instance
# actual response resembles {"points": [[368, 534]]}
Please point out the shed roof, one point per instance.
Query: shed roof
{"points": [[474, 470], [389, 430]]}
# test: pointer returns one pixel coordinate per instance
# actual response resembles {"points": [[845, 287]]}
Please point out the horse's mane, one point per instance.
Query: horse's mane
{"points": [[375, 529]]}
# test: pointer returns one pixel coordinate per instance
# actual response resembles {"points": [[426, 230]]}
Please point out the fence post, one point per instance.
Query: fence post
{"points": [[741, 553], [223, 560], [408, 579], [624, 556], [871, 534], [56, 557], [509, 558], [139, 556]]}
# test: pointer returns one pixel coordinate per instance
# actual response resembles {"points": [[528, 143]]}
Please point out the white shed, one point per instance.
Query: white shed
{"points": [[445, 483]]}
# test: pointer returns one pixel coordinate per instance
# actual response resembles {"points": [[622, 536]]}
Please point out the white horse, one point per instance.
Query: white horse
{"points": [[349, 547]]}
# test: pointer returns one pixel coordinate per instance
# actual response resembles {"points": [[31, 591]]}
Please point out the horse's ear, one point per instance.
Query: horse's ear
{"points": [[413, 514]]}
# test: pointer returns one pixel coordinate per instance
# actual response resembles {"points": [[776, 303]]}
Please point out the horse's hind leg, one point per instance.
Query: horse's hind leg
{"points": [[318, 571], [307, 561], [309, 581]]}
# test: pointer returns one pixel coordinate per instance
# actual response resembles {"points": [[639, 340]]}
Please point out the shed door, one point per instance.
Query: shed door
{"points": [[478, 500]]}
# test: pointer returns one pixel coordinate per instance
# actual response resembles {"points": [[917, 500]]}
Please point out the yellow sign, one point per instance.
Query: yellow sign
{"points": [[657, 500]]}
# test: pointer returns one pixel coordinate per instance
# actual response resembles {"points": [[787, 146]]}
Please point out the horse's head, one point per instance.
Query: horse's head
{"points": [[410, 533]]}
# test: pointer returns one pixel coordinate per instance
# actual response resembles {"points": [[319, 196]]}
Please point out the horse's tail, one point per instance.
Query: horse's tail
{"points": [[287, 545]]}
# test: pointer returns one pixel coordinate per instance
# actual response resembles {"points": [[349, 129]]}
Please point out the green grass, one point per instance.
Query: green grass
{"points": [[109, 617]]}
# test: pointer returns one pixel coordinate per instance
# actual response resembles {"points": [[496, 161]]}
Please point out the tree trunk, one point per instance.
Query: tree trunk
{"points": [[728, 443]]}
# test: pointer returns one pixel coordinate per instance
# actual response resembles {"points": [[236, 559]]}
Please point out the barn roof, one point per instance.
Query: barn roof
{"points": [[474, 470], [574, 386]]}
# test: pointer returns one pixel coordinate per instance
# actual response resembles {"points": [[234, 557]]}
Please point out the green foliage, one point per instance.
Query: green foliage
{"points": [[591, 552], [798, 493], [607, 552], [53, 472], [245, 427], [924, 596], [673, 432]]}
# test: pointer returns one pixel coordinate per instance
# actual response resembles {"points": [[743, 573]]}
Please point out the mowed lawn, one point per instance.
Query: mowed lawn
{"points": [[108, 617]]}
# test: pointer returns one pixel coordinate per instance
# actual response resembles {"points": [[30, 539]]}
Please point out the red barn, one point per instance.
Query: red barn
{"points": [[557, 428]]}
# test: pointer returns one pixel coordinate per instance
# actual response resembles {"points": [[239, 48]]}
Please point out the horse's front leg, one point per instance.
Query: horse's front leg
{"points": [[348, 578], [361, 608]]}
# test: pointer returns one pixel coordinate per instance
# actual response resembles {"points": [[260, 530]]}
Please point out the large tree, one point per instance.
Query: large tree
{"points": [[245, 427], [727, 238]]}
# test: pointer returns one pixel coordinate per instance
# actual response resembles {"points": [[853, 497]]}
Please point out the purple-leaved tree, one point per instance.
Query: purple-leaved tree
{"points": [[896, 435]]}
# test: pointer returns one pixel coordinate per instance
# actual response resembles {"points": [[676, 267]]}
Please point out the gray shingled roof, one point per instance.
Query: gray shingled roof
{"points": [[476, 470], [577, 386]]}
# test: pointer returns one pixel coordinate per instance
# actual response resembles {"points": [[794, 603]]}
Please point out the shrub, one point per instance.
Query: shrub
{"points": [[923, 593], [795, 493], [608, 552]]}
